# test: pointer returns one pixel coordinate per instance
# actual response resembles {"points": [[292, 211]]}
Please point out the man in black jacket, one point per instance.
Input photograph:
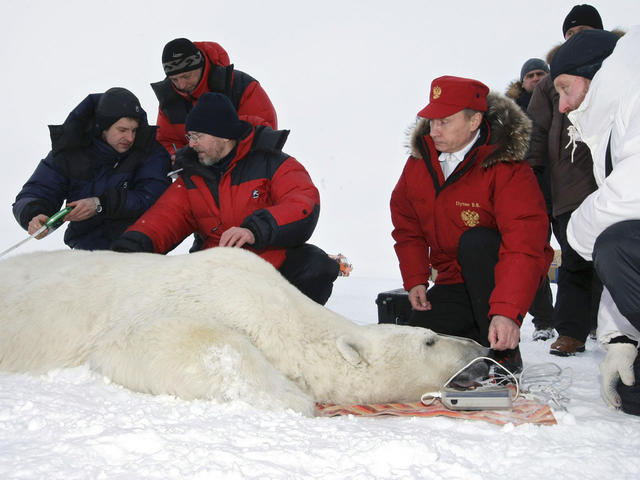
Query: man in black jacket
{"points": [[105, 163]]}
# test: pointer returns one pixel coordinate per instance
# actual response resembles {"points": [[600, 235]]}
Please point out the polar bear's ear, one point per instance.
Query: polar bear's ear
{"points": [[349, 350]]}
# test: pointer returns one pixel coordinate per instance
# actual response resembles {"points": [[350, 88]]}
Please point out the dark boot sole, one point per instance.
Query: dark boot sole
{"points": [[560, 353]]}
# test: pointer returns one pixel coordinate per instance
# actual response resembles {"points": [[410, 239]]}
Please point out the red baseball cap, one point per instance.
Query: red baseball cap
{"points": [[449, 95]]}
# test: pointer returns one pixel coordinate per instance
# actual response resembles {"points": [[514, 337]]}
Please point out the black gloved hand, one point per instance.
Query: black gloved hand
{"points": [[183, 156], [132, 242]]}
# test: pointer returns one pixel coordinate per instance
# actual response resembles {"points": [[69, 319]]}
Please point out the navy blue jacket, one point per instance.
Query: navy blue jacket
{"points": [[82, 165]]}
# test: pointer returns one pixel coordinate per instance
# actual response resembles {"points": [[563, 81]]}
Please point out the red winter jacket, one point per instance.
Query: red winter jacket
{"points": [[493, 188], [262, 189], [246, 94]]}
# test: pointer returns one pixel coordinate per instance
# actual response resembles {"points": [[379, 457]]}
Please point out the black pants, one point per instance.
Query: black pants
{"points": [[616, 257], [576, 310], [311, 271], [542, 306], [630, 396], [463, 309]]}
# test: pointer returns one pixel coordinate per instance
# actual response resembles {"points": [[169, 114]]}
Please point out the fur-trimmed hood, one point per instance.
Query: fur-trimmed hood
{"points": [[506, 125], [514, 90]]}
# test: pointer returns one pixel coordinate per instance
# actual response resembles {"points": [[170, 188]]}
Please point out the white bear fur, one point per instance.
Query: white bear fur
{"points": [[219, 324]]}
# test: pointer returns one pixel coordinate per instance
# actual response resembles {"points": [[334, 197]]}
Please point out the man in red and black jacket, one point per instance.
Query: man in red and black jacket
{"points": [[238, 189], [469, 205], [194, 69]]}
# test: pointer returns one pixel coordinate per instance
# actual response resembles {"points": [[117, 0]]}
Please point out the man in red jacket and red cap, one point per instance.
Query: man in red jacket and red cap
{"points": [[468, 205], [193, 69]]}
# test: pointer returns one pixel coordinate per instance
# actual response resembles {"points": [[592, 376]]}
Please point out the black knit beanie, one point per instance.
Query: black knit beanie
{"points": [[582, 15], [582, 55], [181, 55], [215, 114], [114, 104]]}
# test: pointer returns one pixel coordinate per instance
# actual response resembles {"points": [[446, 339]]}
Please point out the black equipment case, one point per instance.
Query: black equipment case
{"points": [[394, 307]]}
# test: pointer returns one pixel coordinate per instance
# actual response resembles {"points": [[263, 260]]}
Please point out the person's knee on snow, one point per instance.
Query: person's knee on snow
{"points": [[312, 271], [616, 259], [478, 247]]}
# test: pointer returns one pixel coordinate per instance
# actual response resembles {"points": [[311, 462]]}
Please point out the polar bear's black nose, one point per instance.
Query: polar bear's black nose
{"points": [[476, 372]]}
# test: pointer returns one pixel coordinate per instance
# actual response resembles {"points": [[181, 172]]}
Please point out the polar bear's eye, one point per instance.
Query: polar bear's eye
{"points": [[430, 341]]}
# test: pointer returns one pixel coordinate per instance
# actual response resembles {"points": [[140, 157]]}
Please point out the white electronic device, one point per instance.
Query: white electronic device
{"points": [[494, 398]]}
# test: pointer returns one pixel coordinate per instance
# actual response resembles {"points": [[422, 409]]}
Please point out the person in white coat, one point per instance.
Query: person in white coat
{"points": [[597, 75]]}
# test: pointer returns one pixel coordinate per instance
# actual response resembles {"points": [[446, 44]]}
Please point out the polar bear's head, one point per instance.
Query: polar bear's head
{"points": [[399, 363]]}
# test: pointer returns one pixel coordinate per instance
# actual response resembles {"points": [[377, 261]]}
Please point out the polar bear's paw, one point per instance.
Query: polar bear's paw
{"points": [[238, 371]]}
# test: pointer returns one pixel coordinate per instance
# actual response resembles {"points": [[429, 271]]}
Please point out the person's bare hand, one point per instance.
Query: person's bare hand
{"points": [[237, 237], [83, 209], [504, 333], [418, 298], [36, 223]]}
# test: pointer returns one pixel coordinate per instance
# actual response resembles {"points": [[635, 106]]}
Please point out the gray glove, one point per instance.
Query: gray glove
{"points": [[617, 365]]}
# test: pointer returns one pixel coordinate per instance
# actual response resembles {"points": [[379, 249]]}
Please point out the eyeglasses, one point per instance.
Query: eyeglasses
{"points": [[195, 138]]}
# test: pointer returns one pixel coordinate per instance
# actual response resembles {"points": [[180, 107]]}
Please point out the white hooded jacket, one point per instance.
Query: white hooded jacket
{"points": [[611, 108]]}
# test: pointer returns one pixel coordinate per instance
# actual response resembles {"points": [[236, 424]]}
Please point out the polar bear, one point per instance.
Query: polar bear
{"points": [[219, 324]]}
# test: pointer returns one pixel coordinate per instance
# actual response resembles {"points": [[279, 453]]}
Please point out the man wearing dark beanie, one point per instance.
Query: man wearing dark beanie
{"points": [[193, 69], [582, 55], [566, 178], [180, 56], [531, 73], [238, 189], [597, 77], [579, 17], [106, 164]]}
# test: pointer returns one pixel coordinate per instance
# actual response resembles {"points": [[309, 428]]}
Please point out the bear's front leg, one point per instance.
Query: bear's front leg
{"points": [[198, 361]]}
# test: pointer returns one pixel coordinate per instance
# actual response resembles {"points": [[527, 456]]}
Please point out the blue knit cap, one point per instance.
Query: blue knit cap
{"points": [[533, 64], [215, 114]]}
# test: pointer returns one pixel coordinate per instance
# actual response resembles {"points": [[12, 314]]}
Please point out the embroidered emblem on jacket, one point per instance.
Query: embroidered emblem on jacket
{"points": [[255, 194], [437, 91], [470, 218]]}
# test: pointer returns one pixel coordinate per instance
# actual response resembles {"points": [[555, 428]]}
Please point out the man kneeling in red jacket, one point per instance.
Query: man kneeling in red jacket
{"points": [[467, 204], [238, 189]]}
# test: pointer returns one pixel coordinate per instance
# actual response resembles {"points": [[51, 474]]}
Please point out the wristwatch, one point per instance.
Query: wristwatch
{"points": [[98, 205]]}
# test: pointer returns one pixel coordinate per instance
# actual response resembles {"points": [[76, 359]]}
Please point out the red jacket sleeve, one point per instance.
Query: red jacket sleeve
{"points": [[169, 221], [525, 253], [411, 247], [292, 218]]}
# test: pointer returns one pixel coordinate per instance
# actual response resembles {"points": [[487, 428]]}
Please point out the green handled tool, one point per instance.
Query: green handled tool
{"points": [[54, 222]]}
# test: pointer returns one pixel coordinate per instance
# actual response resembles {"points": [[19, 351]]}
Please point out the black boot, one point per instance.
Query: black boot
{"points": [[509, 359]]}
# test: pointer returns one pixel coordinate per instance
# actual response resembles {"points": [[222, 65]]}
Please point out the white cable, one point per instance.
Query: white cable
{"points": [[547, 381], [543, 382], [431, 396]]}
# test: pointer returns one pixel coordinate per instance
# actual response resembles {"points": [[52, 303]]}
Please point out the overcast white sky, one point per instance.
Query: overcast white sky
{"points": [[346, 77]]}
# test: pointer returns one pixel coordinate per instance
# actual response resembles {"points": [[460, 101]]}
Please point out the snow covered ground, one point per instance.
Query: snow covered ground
{"points": [[74, 424], [347, 77]]}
